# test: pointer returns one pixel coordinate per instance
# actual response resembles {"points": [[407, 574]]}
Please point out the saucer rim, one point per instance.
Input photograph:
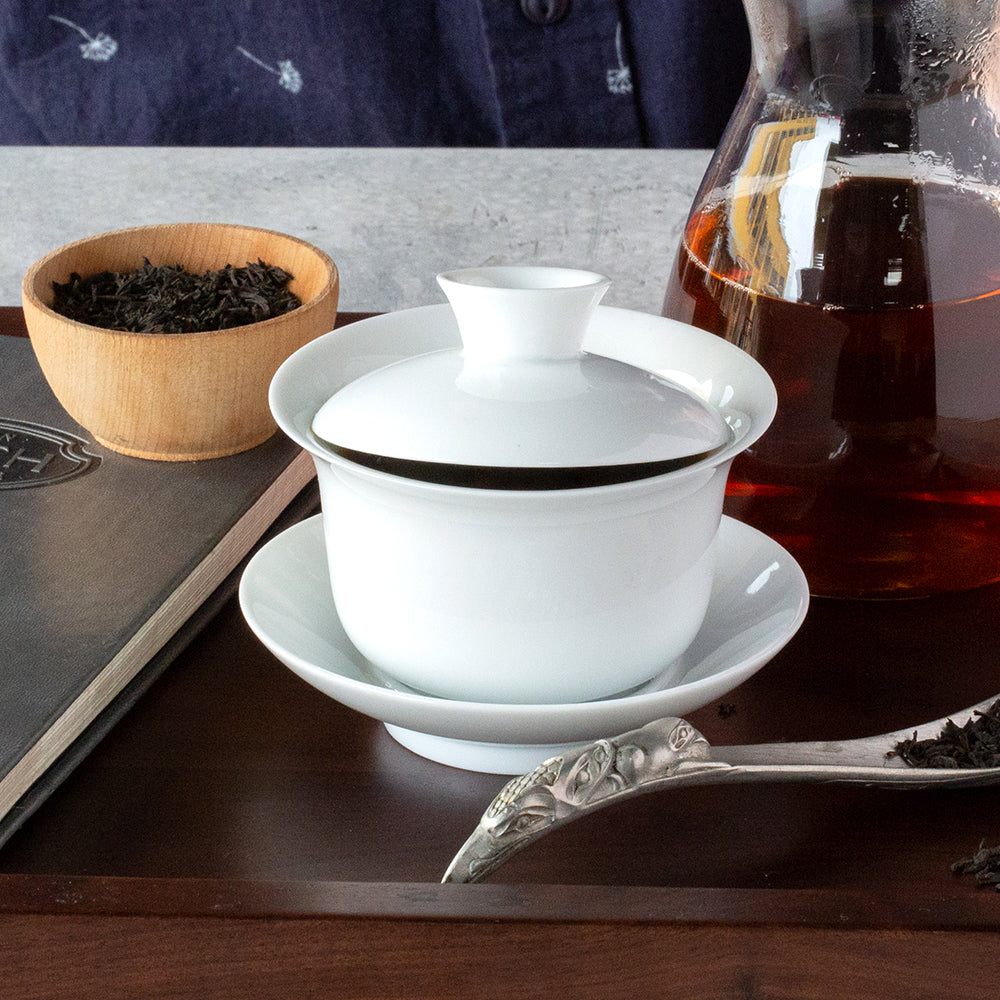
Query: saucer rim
{"points": [[518, 723]]}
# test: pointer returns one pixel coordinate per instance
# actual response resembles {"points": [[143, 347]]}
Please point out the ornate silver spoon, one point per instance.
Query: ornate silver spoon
{"points": [[670, 752]]}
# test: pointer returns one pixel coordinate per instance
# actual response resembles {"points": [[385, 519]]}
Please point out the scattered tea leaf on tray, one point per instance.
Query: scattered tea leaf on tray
{"points": [[984, 864], [167, 298], [976, 744]]}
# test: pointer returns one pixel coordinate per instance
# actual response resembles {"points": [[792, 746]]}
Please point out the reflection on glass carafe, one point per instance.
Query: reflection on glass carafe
{"points": [[847, 235]]}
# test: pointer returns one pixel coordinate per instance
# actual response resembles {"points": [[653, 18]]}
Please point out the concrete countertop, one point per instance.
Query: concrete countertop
{"points": [[391, 218]]}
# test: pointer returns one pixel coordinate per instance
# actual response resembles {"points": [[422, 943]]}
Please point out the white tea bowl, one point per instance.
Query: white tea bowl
{"points": [[522, 490]]}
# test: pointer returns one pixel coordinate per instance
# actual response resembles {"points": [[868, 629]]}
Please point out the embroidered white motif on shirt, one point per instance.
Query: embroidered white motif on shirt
{"points": [[620, 78], [288, 76], [100, 48]]}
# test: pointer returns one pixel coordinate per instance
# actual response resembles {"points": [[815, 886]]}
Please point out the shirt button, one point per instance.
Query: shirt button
{"points": [[544, 11]]}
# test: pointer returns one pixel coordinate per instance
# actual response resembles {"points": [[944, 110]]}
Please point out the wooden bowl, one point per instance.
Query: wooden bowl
{"points": [[175, 396]]}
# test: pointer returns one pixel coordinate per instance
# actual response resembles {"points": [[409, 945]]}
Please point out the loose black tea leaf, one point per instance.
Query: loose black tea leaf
{"points": [[984, 864], [168, 299], [976, 744]]}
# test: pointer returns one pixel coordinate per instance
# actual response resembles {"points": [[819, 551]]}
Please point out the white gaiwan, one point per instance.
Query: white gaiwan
{"points": [[516, 519]]}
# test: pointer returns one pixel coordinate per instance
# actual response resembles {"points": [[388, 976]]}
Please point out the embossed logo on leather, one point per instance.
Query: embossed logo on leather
{"points": [[35, 455]]}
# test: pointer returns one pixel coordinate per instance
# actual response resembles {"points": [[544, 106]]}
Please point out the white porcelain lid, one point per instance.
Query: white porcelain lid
{"points": [[520, 406]]}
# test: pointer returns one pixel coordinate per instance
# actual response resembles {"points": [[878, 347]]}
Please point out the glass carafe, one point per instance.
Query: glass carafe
{"points": [[847, 235]]}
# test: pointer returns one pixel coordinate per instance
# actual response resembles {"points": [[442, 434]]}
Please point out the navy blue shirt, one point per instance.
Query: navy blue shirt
{"points": [[580, 73]]}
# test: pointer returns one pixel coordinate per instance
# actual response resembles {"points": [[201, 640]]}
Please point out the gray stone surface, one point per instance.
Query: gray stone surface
{"points": [[390, 218]]}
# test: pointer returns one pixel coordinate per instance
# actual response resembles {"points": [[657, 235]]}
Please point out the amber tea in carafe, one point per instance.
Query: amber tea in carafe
{"points": [[861, 267]]}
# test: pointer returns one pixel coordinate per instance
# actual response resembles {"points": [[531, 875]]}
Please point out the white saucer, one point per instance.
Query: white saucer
{"points": [[759, 600]]}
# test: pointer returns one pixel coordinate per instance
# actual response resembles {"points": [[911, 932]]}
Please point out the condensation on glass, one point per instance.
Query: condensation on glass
{"points": [[847, 235]]}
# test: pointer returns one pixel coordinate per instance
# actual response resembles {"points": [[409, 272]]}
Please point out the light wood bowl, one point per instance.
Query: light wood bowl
{"points": [[177, 396]]}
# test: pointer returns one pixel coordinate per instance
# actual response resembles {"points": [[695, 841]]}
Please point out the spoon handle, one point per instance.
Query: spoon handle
{"points": [[869, 751], [670, 752]]}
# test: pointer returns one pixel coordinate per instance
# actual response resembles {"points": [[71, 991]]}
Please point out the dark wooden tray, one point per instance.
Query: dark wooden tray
{"points": [[238, 834]]}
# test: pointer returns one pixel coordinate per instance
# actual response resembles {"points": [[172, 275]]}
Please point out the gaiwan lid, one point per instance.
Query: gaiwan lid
{"points": [[520, 405]]}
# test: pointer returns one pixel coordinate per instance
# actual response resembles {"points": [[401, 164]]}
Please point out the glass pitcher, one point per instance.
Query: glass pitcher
{"points": [[847, 235]]}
